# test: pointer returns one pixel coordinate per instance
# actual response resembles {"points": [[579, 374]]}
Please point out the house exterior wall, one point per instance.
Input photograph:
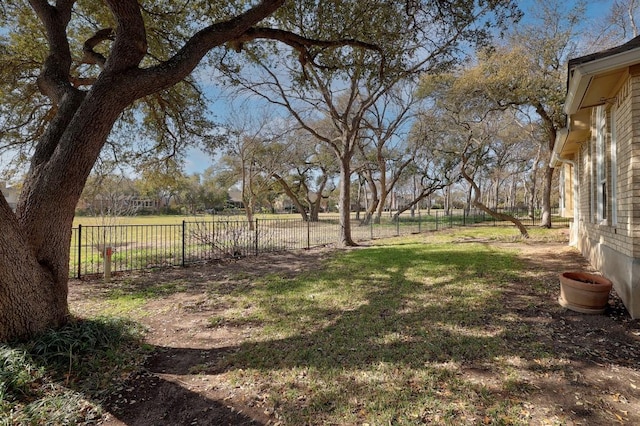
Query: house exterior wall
{"points": [[566, 190], [612, 245]]}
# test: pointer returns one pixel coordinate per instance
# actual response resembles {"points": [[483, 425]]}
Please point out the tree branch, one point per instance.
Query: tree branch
{"points": [[298, 42], [90, 56], [186, 59], [130, 44], [54, 78], [479, 204]]}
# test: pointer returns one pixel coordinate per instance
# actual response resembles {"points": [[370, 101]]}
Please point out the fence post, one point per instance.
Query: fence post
{"points": [[308, 233], [419, 221], [79, 250], [256, 237], [436, 220], [397, 226], [371, 227], [106, 255], [464, 218], [184, 233]]}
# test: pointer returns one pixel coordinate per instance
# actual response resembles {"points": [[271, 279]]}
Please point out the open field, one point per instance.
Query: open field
{"points": [[460, 327], [147, 242], [178, 219], [424, 215], [161, 241]]}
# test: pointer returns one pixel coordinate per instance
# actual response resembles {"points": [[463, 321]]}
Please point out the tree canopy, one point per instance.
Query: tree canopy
{"points": [[79, 75]]}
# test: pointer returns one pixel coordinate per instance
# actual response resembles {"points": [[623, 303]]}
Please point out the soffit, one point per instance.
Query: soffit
{"points": [[602, 88]]}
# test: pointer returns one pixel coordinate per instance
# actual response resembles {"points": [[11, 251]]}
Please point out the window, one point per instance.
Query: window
{"points": [[601, 166], [614, 170]]}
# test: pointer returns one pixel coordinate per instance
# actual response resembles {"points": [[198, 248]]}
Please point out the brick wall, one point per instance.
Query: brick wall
{"points": [[620, 236]]}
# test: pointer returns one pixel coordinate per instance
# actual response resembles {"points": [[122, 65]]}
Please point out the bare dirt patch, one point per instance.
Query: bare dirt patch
{"points": [[594, 380]]}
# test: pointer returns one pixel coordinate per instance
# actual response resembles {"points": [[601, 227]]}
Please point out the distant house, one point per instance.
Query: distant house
{"points": [[235, 197], [137, 203], [599, 158], [118, 204], [10, 194]]}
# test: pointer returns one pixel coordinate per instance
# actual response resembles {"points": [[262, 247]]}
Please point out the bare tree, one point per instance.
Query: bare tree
{"points": [[250, 135], [384, 147], [614, 27], [398, 51], [475, 130], [435, 164]]}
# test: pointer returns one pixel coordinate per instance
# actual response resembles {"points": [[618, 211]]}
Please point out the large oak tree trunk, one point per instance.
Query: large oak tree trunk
{"points": [[345, 203], [316, 205], [383, 189], [551, 133], [545, 221], [35, 241], [31, 299], [293, 197]]}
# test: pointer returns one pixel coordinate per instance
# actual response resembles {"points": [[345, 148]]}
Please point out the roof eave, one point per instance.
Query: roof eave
{"points": [[581, 75]]}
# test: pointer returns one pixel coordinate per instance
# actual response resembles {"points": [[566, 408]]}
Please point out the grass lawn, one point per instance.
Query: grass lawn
{"points": [[177, 219], [409, 330], [172, 219], [134, 220], [379, 335]]}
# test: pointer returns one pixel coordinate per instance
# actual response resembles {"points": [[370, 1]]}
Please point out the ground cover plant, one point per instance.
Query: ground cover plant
{"points": [[456, 327], [60, 376]]}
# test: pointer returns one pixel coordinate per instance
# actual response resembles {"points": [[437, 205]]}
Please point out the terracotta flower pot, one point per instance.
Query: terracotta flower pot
{"points": [[584, 292]]}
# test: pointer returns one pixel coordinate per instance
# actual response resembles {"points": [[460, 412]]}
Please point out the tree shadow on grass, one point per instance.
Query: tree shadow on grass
{"points": [[412, 350], [150, 400]]}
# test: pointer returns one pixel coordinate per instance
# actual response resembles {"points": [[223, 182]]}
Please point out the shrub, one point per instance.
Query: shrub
{"points": [[57, 376]]}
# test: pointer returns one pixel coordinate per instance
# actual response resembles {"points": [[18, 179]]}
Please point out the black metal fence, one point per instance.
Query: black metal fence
{"points": [[137, 247]]}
